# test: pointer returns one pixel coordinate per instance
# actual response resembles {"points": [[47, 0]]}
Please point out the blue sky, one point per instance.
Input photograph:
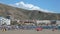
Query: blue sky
{"points": [[51, 5]]}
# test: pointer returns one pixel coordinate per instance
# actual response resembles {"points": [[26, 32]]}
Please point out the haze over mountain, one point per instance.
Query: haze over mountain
{"points": [[19, 13]]}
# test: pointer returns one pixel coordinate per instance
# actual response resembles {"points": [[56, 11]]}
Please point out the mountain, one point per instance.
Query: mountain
{"points": [[19, 13]]}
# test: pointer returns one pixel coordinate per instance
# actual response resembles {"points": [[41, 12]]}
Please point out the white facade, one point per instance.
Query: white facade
{"points": [[4, 20], [43, 21], [58, 22]]}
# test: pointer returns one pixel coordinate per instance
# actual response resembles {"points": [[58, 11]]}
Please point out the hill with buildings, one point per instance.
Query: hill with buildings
{"points": [[23, 14]]}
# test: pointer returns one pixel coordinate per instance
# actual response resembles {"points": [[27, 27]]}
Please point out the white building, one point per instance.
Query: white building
{"points": [[43, 21], [58, 22], [4, 20]]}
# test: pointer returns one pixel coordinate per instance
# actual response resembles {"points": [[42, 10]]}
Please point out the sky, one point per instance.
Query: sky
{"points": [[43, 5]]}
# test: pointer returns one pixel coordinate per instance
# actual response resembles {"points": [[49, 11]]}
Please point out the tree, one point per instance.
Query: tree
{"points": [[14, 23]]}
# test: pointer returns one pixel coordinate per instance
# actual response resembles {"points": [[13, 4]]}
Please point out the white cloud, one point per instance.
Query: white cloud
{"points": [[29, 6], [26, 6]]}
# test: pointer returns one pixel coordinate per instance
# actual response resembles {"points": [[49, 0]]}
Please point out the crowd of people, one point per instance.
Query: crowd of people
{"points": [[29, 27]]}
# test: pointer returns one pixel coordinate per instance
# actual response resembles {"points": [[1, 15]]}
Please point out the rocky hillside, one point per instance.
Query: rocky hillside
{"points": [[19, 13]]}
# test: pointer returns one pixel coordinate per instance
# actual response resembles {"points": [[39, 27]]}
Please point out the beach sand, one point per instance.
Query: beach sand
{"points": [[30, 32]]}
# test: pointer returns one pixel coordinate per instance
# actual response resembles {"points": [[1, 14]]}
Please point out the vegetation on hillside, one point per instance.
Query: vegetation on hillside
{"points": [[19, 13]]}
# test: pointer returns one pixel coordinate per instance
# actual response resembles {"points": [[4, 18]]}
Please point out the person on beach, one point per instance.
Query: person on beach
{"points": [[3, 29]]}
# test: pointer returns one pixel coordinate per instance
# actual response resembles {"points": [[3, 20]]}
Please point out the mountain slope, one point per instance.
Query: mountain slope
{"points": [[19, 13]]}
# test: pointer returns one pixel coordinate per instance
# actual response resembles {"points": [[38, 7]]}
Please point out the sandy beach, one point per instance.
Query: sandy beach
{"points": [[30, 32]]}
